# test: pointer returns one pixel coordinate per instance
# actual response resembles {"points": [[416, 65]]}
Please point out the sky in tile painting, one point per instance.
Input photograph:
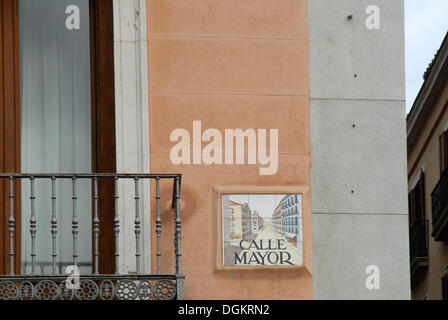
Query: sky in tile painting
{"points": [[426, 26], [264, 204]]}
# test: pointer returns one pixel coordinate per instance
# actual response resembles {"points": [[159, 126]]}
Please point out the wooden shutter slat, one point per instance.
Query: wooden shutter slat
{"points": [[441, 154], [103, 123], [412, 211], [445, 150], [410, 207], [421, 183], [10, 123], [445, 287]]}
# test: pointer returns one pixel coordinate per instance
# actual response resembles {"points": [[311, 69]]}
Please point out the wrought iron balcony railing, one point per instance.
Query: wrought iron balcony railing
{"points": [[439, 197], [418, 238], [91, 285]]}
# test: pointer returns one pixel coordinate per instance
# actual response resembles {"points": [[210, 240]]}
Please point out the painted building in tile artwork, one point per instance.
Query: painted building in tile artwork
{"points": [[257, 221], [236, 215], [277, 220], [291, 217]]}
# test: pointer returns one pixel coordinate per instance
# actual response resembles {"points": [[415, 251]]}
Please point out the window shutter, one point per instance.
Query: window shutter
{"points": [[412, 209], [417, 204], [9, 124], [445, 150], [445, 287], [441, 154], [421, 187]]}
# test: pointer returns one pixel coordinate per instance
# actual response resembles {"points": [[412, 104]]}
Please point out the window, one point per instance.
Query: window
{"points": [[38, 52], [445, 285], [443, 151], [416, 200]]}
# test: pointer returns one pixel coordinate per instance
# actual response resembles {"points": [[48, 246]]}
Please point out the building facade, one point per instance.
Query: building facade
{"points": [[277, 220], [236, 220], [257, 222], [291, 213], [427, 137], [246, 220], [238, 97]]}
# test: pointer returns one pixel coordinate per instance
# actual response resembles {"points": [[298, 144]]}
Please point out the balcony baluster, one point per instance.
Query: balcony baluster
{"points": [[53, 286]]}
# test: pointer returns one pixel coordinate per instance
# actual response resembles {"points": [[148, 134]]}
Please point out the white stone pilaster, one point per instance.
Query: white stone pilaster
{"points": [[132, 125]]}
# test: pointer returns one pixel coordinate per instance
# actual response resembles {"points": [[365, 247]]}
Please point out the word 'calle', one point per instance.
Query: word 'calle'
{"points": [[234, 144]]}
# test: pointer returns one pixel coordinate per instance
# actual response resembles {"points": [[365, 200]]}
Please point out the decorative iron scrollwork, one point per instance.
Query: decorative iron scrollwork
{"points": [[145, 290], [107, 290], [46, 290], [165, 290], [8, 291], [26, 290], [88, 290], [65, 293], [126, 290]]}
